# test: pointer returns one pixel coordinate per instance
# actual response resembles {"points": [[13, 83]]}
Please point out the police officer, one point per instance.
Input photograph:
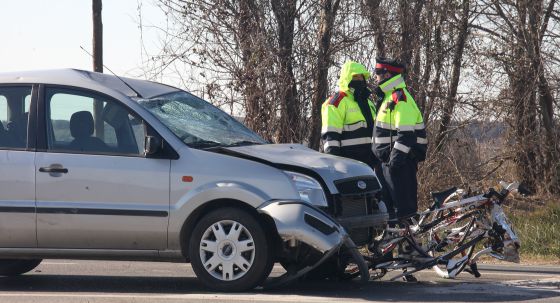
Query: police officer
{"points": [[348, 116], [399, 136]]}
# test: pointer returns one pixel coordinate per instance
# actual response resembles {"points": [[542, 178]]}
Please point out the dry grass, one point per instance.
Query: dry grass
{"points": [[539, 231]]}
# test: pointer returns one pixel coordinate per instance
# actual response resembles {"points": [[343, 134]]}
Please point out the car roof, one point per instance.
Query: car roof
{"points": [[105, 83]]}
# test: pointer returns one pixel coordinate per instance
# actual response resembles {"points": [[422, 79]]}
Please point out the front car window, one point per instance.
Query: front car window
{"points": [[198, 123], [81, 122]]}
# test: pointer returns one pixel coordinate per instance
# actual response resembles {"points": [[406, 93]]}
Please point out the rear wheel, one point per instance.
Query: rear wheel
{"points": [[229, 250], [15, 267]]}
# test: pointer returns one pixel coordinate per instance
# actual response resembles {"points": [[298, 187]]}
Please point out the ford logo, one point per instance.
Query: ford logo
{"points": [[362, 185]]}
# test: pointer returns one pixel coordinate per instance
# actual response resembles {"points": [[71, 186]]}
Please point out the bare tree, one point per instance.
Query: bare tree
{"points": [[329, 9], [478, 69], [285, 13]]}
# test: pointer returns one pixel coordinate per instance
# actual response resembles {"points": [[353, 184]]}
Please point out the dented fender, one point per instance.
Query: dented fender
{"points": [[298, 220]]}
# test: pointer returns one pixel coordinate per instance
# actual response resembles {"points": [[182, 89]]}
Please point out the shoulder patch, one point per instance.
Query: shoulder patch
{"points": [[336, 98], [398, 96]]}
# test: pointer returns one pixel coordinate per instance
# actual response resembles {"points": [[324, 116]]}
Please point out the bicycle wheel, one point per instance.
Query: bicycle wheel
{"points": [[453, 241]]}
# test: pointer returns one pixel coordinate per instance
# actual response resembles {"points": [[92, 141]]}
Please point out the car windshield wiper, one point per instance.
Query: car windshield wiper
{"points": [[204, 144], [242, 143]]}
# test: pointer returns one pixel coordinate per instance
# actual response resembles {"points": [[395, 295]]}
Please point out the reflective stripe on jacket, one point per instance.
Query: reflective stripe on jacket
{"points": [[344, 126]]}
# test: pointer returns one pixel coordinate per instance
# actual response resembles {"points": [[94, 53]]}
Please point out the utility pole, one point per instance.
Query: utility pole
{"points": [[97, 37], [98, 65]]}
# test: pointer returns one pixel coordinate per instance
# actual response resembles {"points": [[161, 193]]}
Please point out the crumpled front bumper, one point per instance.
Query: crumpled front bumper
{"points": [[297, 220]]}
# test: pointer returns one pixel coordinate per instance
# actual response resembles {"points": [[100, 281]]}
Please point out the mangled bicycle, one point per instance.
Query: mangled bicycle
{"points": [[445, 236]]}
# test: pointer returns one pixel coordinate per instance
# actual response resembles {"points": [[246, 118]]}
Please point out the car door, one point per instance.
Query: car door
{"points": [[95, 188], [17, 169]]}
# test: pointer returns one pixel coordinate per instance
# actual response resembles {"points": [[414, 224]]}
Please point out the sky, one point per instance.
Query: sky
{"points": [[47, 34]]}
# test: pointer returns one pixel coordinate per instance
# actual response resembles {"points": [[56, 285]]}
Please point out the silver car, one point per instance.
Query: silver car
{"points": [[94, 166]]}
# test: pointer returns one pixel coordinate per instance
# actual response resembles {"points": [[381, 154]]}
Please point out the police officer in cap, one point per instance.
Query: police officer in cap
{"points": [[399, 137], [399, 141]]}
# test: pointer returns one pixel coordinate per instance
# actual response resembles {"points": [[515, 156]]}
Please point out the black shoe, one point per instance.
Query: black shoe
{"points": [[473, 270], [410, 278]]}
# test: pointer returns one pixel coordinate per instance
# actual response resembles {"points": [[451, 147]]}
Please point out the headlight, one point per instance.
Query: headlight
{"points": [[309, 189]]}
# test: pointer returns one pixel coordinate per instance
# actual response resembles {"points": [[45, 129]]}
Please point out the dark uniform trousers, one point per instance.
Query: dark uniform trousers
{"points": [[401, 188]]}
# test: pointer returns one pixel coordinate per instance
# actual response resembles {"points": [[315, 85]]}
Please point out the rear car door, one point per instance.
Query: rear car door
{"points": [[17, 168], [95, 187]]}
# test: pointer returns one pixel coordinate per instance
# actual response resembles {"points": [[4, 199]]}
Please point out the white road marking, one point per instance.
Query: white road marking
{"points": [[209, 297]]}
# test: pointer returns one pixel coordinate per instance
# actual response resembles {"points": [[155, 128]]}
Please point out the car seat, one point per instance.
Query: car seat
{"points": [[17, 131]]}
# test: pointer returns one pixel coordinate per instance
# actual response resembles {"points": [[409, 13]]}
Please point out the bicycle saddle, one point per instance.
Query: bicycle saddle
{"points": [[439, 197]]}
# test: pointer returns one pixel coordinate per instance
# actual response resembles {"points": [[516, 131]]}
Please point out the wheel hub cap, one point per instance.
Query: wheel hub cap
{"points": [[227, 250]]}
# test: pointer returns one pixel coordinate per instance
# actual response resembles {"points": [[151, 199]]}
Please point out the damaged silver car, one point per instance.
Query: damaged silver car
{"points": [[100, 167]]}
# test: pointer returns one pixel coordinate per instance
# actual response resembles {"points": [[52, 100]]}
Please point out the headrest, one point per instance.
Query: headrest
{"points": [[81, 124], [18, 125], [114, 115]]}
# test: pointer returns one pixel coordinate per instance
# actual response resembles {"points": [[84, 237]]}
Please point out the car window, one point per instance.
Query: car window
{"points": [[14, 113], [3, 110], [87, 123]]}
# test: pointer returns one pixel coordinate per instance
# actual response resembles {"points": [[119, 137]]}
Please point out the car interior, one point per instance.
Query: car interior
{"points": [[13, 116], [112, 131]]}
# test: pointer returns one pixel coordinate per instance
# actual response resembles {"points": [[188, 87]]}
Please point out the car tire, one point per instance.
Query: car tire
{"points": [[15, 267], [229, 250]]}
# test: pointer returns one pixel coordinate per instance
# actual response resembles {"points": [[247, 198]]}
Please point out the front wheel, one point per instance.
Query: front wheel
{"points": [[449, 239], [229, 250], [15, 267]]}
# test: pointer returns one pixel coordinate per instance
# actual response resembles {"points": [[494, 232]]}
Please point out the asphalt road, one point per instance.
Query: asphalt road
{"points": [[65, 281]]}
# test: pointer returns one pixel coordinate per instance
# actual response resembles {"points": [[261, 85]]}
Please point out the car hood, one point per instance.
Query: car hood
{"points": [[330, 168]]}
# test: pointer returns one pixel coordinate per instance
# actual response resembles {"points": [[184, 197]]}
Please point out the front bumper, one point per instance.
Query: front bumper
{"points": [[298, 220]]}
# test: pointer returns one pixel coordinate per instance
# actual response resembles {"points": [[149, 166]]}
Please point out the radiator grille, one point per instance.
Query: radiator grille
{"points": [[353, 201]]}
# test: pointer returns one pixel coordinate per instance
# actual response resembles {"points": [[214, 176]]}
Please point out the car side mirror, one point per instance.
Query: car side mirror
{"points": [[152, 145]]}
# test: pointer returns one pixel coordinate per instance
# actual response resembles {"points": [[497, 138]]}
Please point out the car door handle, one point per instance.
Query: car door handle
{"points": [[55, 170]]}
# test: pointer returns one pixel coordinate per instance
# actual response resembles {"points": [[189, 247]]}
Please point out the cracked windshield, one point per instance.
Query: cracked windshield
{"points": [[198, 123]]}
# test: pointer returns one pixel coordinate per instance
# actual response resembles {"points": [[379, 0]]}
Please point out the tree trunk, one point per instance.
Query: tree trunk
{"points": [[320, 80], [536, 26], [438, 66], [251, 56], [526, 130], [410, 46], [288, 130], [455, 74], [376, 25]]}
